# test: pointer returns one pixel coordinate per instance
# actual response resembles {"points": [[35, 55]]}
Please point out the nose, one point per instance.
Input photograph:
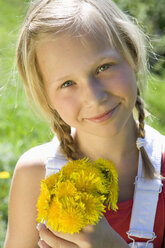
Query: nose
{"points": [[94, 92]]}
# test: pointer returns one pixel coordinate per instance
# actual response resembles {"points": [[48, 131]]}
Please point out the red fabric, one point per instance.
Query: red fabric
{"points": [[124, 215]]}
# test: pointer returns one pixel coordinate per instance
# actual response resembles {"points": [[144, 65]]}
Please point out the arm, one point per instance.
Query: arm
{"points": [[24, 192]]}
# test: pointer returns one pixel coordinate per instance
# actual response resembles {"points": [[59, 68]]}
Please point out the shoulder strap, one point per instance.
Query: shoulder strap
{"points": [[147, 190], [56, 160]]}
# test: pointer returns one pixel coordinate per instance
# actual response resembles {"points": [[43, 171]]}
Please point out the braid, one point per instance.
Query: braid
{"points": [[141, 114], [63, 132], [149, 169]]}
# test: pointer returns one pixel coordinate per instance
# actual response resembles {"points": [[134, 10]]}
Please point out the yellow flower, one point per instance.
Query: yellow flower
{"points": [[87, 181], [4, 174], [43, 202], [106, 166], [94, 207], [65, 189], [74, 165], [53, 216], [112, 196], [72, 216], [76, 196], [109, 169], [52, 180]]}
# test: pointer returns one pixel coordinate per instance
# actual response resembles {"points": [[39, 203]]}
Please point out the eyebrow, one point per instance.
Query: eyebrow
{"points": [[101, 58]]}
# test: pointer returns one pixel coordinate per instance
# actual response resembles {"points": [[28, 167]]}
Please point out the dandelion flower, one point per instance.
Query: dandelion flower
{"points": [[100, 180], [53, 216], [74, 165], [43, 202], [72, 217], [94, 207], [76, 195], [4, 174], [65, 189], [87, 182], [109, 169], [52, 180]]}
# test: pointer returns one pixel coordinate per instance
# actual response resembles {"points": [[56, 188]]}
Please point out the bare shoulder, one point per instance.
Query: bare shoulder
{"points": [[36, 155], [33, 160], [30, 170], [24, 192]]}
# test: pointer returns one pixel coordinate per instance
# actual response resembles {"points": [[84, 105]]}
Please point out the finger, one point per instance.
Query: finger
{"points": [[52, 240]]}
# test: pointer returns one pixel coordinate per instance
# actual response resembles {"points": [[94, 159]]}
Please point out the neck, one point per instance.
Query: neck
{"points": [[116, 148]]}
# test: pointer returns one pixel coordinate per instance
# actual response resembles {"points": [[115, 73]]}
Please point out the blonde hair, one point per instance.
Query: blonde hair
{"points": [[48, 18]]}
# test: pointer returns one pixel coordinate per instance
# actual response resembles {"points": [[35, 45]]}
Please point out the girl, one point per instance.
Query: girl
{"points": [[83, 62]]}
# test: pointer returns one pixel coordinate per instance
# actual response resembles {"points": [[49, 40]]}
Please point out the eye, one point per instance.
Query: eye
{"points": [[67, 84], [102, 68]]}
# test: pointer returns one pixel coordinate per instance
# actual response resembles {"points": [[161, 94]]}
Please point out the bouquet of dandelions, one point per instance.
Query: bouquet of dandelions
{"points": [[78, 195]]}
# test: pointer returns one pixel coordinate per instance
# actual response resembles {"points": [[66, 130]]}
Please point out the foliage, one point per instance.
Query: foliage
{"points": [[150, 16], [155, 102]]}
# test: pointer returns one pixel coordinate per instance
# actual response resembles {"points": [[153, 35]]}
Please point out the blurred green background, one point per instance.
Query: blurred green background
{"points": [[20, 128]]}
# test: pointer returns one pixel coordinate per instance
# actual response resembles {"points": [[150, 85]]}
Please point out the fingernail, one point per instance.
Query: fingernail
{"points": [[38, 226], [39, 242]]}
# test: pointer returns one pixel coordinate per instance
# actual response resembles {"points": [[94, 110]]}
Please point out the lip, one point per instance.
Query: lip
{"points": [[103, 117]]}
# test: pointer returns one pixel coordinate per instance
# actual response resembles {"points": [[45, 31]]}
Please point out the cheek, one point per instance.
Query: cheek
{"points": [[124, 83], [67, 107]]}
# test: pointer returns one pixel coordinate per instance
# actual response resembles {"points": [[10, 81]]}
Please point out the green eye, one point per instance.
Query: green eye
{"points": [[102, 68], [67, 84]]}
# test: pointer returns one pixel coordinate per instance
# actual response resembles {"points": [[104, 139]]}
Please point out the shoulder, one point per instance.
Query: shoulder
{"points": [[154, 139], [157, 138], [24, 192], [31, 165], [36, 156], [30, 168], [152, 132], [33, 159]]}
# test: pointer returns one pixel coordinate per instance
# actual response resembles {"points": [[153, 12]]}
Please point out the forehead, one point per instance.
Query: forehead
{"points": [[70, 56], [68, 44]]}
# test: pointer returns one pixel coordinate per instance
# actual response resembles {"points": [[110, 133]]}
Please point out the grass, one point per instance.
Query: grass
{"points": [[155, 100], [20, 128]]}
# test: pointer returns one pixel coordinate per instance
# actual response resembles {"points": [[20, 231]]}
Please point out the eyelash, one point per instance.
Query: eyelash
{"points": [[98, 70], [104, 66], [64, 84]]}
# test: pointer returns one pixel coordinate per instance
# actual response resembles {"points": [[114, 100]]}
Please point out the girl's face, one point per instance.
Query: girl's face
{"points": [[89, 84]]}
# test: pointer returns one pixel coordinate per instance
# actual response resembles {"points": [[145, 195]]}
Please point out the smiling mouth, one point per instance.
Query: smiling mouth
{"points": [[103, 117]]}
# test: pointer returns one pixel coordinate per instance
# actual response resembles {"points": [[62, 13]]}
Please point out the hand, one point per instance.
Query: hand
{"points": [[101, 235], [49, 239]]}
